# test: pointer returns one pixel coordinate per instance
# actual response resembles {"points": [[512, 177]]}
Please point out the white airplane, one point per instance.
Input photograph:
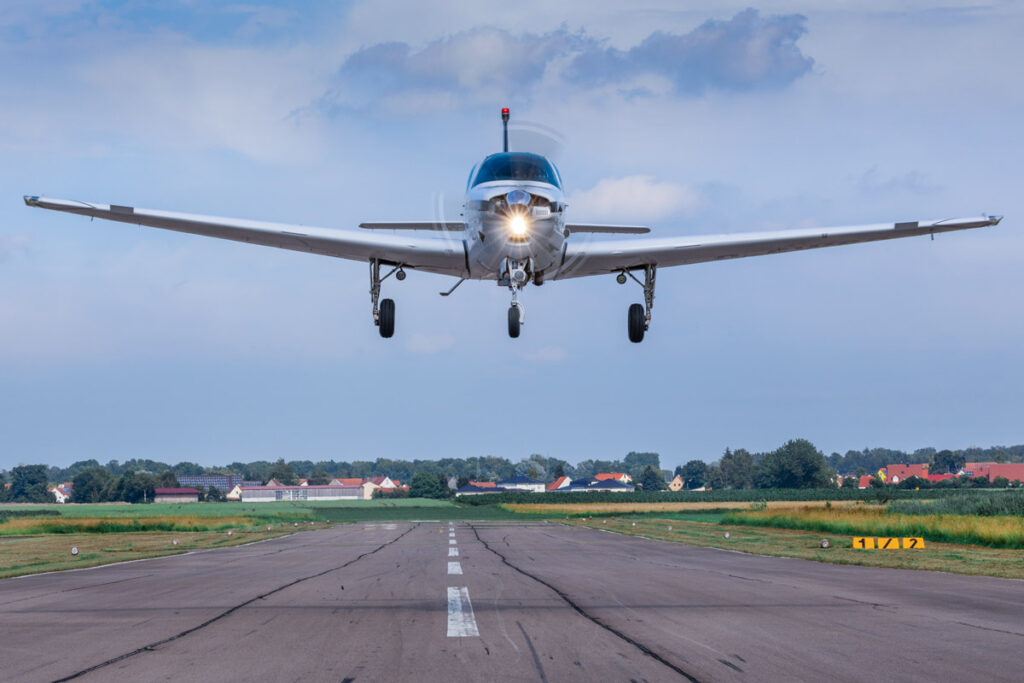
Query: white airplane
{"points": [[514, 232]]}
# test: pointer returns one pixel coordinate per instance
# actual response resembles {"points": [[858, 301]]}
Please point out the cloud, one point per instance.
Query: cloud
{"points": [[747, 52], [429, 344], [488, 64], [911, 182], [636, 198]]}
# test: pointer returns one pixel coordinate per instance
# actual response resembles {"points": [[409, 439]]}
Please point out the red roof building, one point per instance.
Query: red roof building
{"points": [[991, 470], [897, 473], [483, 484], [559, 483], [617, 476]]}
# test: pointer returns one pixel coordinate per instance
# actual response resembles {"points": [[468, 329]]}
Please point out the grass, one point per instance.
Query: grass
{"points": [[52, 552], [947, 557], [95, 525], [988, 504], [994, 532]]}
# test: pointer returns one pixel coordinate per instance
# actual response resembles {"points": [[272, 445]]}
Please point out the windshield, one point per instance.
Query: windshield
{"points": [[517, 166]]}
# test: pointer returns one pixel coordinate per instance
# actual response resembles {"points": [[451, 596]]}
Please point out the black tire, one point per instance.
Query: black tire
{"points": [[513, 321], [387, 318], [636, 323]]}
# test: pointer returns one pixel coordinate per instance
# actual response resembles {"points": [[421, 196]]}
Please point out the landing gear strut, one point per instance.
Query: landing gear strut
{"points": [[517, 274], [384, 314], [640, 315]]}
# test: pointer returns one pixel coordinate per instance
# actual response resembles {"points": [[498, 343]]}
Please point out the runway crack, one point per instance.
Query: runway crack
{"points": [[582, 612], [228, 612]]}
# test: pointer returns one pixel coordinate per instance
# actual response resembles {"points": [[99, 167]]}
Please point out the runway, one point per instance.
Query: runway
{"points": [[503, 602]]}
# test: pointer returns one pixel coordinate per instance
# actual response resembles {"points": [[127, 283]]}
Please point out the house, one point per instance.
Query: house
{"points": [[61, 493], [482, 484], [473, 490], [617, 476], [522, 483], [595, 484], [677, 484], [865, 481], [559, 483], [383, 482], [270, 494], [346, 482], [178, 495], [367, 488], [234, 494], [898, 473], [991, 470], [303, 482]]}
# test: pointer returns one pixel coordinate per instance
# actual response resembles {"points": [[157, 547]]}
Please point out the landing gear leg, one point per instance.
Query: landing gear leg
{"points": [[516, 276], [383, 310], [640, 315]]}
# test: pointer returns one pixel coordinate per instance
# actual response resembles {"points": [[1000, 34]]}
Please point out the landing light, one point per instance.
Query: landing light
{"points": [[517, 224]]}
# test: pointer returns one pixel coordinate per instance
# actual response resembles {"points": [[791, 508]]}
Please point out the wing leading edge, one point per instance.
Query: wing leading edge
{"points": [[595, 258], [434, 255]]}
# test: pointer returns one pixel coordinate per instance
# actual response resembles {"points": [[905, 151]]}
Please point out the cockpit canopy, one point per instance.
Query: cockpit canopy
{"points": [[516, 166]]}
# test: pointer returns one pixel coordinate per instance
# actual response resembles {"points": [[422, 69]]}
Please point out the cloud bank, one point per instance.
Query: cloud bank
{"points": [[746, 52]]}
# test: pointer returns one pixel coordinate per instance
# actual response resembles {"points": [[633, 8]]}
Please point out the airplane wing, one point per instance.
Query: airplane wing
{"points": [[597, 257], [623, 229], [434, 255], [453, 226]]}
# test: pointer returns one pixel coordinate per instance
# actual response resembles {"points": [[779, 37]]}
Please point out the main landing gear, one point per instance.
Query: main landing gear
{"points": [[384, 314], [639, 318]]}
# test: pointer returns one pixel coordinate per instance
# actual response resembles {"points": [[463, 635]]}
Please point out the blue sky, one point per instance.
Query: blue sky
{"points": [[123, 342]]}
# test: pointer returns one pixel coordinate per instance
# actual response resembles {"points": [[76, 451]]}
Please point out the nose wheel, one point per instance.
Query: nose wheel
{"points": [[515, 319]]}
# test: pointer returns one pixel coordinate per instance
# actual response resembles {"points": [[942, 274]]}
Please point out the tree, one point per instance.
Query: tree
{"points": [[319, 477], [694, 474], [215, 495], [28, 485], [426, 485], [559, 471], [461, 481], [850, 483], [166, 480], [945, 462], [796, 465], [738, 469], [635, 464], [284, 473], [652, 479], [90, 486]]}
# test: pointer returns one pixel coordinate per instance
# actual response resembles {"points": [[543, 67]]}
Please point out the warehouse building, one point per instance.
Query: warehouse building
{"points": [[181, 495], [270, 494]]}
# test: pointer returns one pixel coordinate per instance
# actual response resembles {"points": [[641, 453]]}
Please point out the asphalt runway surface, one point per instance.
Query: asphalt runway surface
{"points": [[503, 602]]}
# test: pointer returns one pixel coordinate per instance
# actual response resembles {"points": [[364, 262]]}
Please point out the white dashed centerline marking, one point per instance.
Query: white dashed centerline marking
{"points": [[461, 622], [454, 568], [453, 552], [451, 541]]}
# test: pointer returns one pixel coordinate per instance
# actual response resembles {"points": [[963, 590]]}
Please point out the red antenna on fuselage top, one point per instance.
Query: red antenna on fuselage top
{"points": [[504, 123]]}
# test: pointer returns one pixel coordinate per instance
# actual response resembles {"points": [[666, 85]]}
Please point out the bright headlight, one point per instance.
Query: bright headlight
{"points": [[517, 224]]}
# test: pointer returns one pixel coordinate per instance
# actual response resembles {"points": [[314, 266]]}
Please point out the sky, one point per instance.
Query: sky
{"points": [[705, 117]]}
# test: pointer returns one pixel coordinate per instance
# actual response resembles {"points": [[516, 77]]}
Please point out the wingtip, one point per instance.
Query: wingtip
{"points": [[994, 220], [31, 200]]}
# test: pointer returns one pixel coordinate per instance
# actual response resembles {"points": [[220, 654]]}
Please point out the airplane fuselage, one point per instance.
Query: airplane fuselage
{"points": [[514, 223]]}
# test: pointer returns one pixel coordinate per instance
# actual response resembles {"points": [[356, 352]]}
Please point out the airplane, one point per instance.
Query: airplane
{"points": [[514, 231]]}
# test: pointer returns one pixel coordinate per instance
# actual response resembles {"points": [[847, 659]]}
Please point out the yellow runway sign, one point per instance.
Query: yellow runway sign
{"points": [[884, 543]]}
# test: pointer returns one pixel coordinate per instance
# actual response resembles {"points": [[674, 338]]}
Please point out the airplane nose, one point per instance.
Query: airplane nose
{"points": [[518, 198]]}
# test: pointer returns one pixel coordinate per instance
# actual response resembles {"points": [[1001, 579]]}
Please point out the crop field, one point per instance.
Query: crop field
{"points": [[947, 557], [604, 508], [997, 531]]}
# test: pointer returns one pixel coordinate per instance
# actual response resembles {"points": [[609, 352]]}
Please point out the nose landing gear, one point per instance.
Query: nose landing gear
{"points": [[517, 274]]}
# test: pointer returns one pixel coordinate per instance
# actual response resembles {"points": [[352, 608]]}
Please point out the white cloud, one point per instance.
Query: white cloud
{"points": [[636, 198]]}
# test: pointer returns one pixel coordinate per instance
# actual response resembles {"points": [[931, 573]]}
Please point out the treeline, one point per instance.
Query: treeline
{"points": [[798, 464], [485, 468]]}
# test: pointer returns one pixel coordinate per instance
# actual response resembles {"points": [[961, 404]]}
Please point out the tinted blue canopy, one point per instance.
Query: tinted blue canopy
{"points": [[517, 166]]}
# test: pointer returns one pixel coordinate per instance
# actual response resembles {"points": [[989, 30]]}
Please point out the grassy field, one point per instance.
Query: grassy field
{"points": [[52, 552], [948, 557], [994, 531]]}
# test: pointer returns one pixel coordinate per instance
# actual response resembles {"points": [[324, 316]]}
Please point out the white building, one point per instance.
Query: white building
{"points": [[270, 494]]}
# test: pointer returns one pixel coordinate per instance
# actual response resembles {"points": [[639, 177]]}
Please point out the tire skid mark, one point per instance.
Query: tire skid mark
{"points": [[228, 612], [638, 645]]}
